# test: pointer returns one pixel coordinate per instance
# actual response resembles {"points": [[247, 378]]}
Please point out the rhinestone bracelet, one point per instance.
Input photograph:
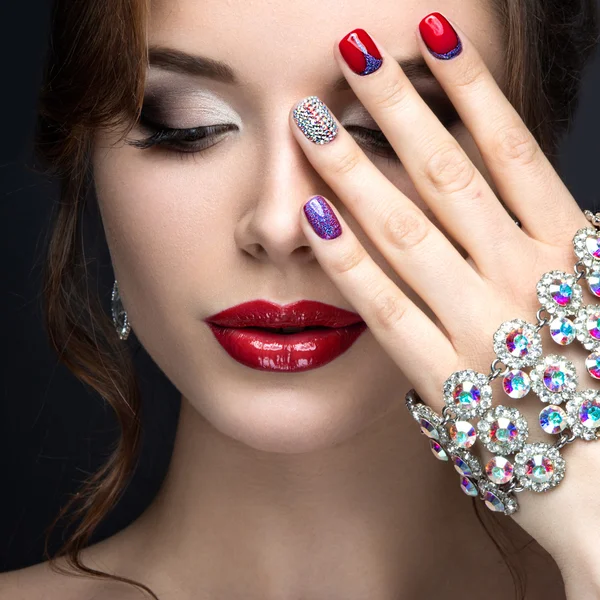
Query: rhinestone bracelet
{"points": [[516, 465]]}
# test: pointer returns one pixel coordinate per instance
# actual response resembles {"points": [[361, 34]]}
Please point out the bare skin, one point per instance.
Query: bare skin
{"points": [[281, 486]]}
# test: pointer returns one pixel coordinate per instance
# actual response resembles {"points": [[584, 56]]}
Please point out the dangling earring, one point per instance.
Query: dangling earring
{"points": [[119, 316]]}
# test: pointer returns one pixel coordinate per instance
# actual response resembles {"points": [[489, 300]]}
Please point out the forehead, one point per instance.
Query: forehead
{"points": [[289, 43]]}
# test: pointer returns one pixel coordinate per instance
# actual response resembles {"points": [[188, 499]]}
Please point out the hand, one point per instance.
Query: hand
{"points": [[468, 297]]}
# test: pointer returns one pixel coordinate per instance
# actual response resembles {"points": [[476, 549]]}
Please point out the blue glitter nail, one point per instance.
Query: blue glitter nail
{"points": [[322, 218], [372, 63], [448, 55]]}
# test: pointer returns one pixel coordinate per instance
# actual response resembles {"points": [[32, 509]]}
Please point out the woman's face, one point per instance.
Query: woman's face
{"points": [[193, 234]]}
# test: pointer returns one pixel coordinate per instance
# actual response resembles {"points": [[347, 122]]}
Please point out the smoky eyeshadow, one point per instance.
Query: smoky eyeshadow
{"points": [[172, 110], [183, 107]]}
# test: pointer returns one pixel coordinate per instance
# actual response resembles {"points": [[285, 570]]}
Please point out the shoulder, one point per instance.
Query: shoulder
{"points": [[42, 582]]}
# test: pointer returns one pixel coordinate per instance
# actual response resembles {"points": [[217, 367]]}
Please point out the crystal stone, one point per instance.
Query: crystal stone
{"points": [[467, 394], [583, 414], [592, 364], [463, 434], [562, 330], [592, 245], [554, 378], [593, 325], [518, 343], [561, 292], [593, 280], [499, 470], [553, 419], [493, 502], [503, 430], [429, 429], [589, 413], [462, 467], [516, 383], [438, 451], [468, 486], [539, 468]]}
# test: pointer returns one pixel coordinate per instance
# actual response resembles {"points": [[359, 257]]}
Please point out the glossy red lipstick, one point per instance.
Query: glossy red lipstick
{"points": [[252, 334]]}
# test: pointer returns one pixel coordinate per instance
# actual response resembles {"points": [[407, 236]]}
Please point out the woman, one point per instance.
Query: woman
{"points": [[297, 472]]}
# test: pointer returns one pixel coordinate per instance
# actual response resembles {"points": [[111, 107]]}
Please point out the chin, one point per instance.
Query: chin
{"points": [[290, 419]]}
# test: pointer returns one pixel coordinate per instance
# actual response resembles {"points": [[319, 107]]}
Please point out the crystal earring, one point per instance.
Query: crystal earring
{"points": [[119, 316]]}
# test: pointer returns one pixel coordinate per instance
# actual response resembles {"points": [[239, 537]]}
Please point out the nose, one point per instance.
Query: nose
{"points": [[270, 231]]}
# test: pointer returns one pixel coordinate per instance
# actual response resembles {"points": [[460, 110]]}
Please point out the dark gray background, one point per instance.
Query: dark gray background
{"points": [[53, 431]]}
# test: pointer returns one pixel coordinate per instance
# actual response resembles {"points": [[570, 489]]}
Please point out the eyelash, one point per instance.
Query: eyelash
{"points": [[174, 140]]}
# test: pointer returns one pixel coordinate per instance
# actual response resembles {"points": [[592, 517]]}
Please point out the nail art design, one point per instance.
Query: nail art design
{"points": [[322, 218], [315, 120], [360, 52], [439, 36]]}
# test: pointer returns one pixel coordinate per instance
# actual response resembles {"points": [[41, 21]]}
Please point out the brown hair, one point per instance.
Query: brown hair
{"points": [[95, 78]]}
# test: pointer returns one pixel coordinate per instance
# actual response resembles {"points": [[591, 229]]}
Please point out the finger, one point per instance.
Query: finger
{"points": [[443, 175], [396, 322], [525, 178], [421, 255]]}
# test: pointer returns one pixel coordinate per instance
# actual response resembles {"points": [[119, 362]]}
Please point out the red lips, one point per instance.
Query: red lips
{"points": [[244, 332]]}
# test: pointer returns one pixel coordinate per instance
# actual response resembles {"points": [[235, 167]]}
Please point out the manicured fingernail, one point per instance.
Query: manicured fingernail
{"points": [[322, 218], [439, 36], [360, 52], [315, 121]]}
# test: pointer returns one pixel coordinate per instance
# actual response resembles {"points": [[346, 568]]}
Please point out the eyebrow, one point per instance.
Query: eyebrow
{"points": [[201, 66]]}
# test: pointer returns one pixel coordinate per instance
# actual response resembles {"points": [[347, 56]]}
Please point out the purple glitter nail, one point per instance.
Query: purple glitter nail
{"points": [[322, 218]]}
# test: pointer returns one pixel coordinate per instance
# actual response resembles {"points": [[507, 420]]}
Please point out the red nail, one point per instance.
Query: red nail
{"points": [[439, 36], [360, 52]]}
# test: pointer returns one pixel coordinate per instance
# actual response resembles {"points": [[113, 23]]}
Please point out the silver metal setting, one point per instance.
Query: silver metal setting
{"points": [[547, 301], [574, 408], [526, 472], [485, 425], [509, 502], [420, 413], [473, 468], [534, 349], [582, 243], [592, 278], [584, 336], [468, 411], [539, 387]]}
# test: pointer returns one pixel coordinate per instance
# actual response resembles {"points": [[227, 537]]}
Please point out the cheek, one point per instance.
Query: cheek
{"points": [[164, 222]]}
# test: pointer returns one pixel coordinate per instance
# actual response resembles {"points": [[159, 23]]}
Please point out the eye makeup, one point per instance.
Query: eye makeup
{"points": [[187, 122]]}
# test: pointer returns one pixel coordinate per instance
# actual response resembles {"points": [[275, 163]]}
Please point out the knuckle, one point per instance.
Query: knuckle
{"points": [[472, 76], [515, 143], [348, 259], [392, 94], [405, 229], [449, 170], [345, 163], [389, 309]]}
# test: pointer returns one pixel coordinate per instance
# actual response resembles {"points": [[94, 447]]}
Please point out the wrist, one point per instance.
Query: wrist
{"points": [[580, 570]]}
